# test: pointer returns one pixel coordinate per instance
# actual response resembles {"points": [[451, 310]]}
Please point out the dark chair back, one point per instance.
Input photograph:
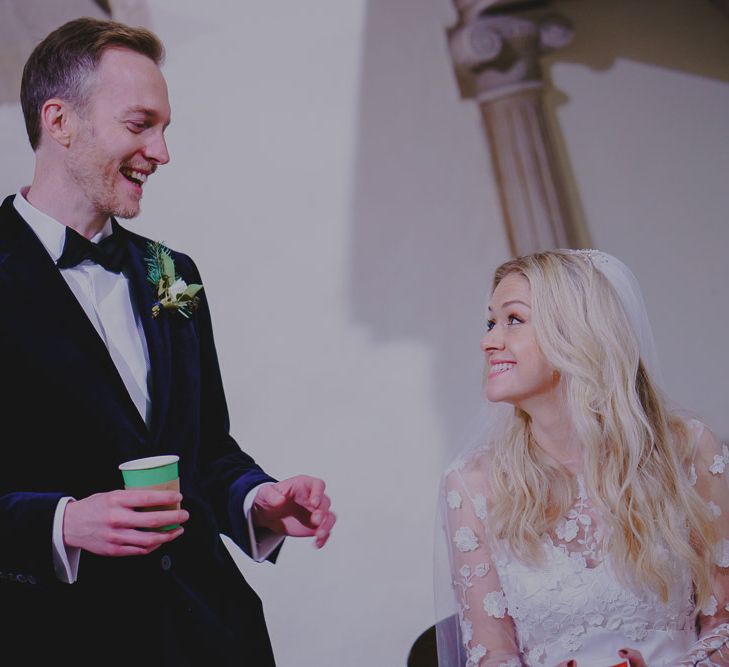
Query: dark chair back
{"points": [[424, 652]]}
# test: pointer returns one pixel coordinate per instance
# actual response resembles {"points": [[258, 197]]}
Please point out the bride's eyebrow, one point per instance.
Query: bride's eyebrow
{"points": [[506, 304]]}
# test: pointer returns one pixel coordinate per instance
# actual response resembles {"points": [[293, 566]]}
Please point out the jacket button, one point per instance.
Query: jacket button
{"points": [[21, 579], [166, 562], [31, 579]]}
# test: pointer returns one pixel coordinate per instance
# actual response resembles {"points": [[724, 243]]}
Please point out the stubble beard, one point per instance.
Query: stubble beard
{"points": [[96, 177]]}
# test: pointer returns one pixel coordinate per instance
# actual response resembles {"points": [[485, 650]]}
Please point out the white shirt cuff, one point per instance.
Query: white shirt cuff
{"points": [[263, 541], [65, 559]]}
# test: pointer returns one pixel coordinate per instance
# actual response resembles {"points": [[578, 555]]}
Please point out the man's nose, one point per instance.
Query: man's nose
{"points": [[156, 151]]}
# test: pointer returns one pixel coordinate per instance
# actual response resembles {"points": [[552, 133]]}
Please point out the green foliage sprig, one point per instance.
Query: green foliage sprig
{"points": [[173, 293]]}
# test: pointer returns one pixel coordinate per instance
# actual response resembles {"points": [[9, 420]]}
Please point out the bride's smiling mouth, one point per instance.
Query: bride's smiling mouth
{"points": [[500, 368]]}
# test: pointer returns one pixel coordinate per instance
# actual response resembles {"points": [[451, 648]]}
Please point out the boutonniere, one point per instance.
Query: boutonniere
{"points": [[173, 292]]}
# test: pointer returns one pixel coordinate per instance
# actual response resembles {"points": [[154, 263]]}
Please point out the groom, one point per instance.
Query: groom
{"points": [[94, 372]]}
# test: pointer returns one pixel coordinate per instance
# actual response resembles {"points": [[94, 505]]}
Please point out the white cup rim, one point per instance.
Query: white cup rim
{"points": [[149, 462]]}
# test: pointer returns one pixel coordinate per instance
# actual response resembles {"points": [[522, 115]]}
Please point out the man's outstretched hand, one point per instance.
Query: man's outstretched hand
{"points": [[297, 507]]}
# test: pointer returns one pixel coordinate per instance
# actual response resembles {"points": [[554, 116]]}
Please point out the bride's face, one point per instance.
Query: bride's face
{"points": [[517, 371]]}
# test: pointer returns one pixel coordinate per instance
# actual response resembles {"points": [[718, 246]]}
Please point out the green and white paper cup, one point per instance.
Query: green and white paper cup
{"points": [[153, 472]]}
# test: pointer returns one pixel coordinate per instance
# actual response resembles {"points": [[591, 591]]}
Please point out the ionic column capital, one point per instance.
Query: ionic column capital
{"points": [[497, 52]]}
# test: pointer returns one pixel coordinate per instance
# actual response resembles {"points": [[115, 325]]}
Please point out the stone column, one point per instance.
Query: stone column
{"points": [[496, 47]]}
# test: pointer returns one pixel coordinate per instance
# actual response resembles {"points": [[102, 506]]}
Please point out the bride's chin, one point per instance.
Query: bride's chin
{"points": [[494, 396]]}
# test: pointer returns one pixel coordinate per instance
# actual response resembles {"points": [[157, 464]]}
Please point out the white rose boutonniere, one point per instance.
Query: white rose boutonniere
{"points": [[173, 293]]}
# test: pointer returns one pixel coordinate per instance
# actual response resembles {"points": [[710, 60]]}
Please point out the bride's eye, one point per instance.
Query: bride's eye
{"points": [[515, 319], [490, 325]]}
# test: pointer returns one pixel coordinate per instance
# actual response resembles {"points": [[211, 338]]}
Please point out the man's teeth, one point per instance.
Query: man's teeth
{"points": [[500, 368], [136, 175]]}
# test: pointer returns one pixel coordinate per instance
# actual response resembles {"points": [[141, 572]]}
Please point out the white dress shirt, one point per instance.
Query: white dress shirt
{"points": [[106, 300]]}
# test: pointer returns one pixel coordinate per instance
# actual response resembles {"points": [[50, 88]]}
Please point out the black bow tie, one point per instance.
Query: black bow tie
{"points": [[109, 252]]}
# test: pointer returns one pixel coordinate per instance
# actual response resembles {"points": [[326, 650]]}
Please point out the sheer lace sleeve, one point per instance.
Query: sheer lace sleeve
{"points": [[709, 472], [486, 630]]}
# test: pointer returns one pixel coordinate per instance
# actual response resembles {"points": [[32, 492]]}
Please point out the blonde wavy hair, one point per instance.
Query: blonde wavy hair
{"points": [[635, 454]]}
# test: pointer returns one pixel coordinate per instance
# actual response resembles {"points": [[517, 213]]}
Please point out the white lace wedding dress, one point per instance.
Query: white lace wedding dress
{"points": [[574, 606]]}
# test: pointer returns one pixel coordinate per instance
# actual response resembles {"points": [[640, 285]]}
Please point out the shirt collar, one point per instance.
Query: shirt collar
{"points": [[52, 234]]}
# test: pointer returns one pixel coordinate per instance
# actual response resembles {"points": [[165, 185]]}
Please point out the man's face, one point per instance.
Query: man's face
{"points": [[118, 140]]}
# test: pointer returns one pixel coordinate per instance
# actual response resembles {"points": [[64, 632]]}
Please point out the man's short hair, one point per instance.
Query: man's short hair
{"points": [[62, 64]]}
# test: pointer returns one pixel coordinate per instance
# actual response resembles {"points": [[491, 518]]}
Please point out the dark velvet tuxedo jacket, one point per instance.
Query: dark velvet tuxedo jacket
{"points": [[66, 422]]}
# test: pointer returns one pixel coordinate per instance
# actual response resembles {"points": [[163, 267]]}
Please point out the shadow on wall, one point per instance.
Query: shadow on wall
{"points": [[427, 224], [606, 31], [24, 24]]}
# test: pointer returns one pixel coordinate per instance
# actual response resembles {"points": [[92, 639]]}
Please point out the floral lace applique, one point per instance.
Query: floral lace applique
{"points": [[636, 630], [475, 654], [494, 604], [571, 637], [537, 653], [462, 585], [714, 509], [710, 648], [709, 609], [720, 461], [467, 575], [479, 506], [579, 524], [692, 477], [465, 539], [454, 500], [721, 557]]}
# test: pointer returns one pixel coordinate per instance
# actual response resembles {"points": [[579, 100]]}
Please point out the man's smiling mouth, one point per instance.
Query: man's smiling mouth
{"points": [[137, 177]]}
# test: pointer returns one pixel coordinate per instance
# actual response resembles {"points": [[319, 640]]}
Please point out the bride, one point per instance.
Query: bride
{"points": [[589, 524]]}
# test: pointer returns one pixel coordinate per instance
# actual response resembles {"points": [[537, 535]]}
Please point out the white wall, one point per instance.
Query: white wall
{"points": [[339, 200]]}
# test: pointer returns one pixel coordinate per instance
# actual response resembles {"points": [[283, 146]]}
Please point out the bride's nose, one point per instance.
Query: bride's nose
{"points": [[492, 340]]}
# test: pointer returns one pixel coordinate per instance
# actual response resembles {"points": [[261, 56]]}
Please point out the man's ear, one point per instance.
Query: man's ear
{"points": [[58, 120]]}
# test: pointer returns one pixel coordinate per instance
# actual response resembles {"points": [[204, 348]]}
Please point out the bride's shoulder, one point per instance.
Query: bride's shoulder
{"points": [[472, 463], [701, 448], [470, 472]]}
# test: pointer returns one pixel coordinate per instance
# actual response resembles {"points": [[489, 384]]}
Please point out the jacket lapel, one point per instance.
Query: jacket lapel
{"points": [[156, 330], [47, 316]]}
